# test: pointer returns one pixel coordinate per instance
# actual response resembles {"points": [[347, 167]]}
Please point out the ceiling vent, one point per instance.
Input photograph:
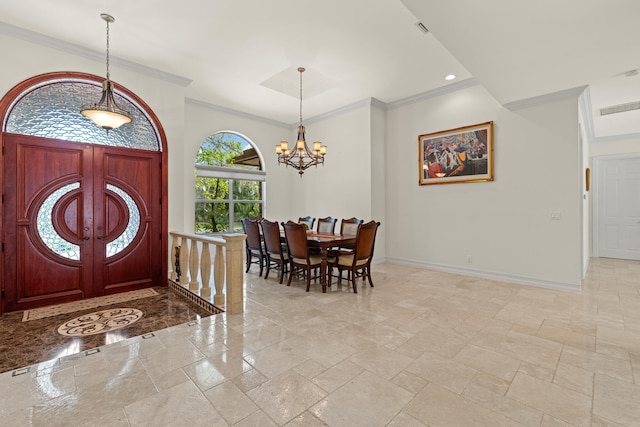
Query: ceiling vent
{"points": [[620, 108], [422, 28]]}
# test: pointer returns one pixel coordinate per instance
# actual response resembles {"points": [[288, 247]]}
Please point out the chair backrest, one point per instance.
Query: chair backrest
{"points": [[308, 221], [326, 225], [271, 234], [350, 225], [366, 240], [252, 230], [296, 237]]}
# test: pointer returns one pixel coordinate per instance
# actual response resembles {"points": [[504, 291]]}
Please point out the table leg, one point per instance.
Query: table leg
{"points": [[323, 269]]}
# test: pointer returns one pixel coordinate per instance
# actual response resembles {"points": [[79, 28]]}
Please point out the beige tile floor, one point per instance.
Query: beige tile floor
{"points": [[422, 348]]}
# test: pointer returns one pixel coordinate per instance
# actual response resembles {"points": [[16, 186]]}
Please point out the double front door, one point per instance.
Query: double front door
{"points": [[79, 221]]}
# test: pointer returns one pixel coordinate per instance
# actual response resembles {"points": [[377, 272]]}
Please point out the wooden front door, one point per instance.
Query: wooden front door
{"points": [[80, 220]]}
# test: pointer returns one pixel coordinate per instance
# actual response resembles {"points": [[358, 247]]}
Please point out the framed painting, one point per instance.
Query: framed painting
{"points": [[457, 155]]}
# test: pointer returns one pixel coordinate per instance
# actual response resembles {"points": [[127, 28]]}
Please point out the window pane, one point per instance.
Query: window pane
{"points": [[53, 111], [245, 210], [247, 190], [47, 230], [129, 233], [212, 217], [230, 150], [212, 188]]}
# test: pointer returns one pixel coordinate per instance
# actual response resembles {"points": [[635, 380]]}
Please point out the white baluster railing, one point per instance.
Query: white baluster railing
{"points": [[190, 254]]}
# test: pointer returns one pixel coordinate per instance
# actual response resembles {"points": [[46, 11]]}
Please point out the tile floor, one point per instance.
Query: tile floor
{"points": [[422, 348]]}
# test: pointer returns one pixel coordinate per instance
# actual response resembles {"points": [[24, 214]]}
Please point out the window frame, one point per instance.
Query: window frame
{"points": [[231, 175]]}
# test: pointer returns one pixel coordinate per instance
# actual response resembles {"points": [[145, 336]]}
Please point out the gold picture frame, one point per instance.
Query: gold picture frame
{"points": [[463, 154]]}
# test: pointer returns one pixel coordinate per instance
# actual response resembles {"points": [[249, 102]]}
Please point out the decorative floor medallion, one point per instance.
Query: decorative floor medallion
{"points": [[86, 304], [100, 322]]}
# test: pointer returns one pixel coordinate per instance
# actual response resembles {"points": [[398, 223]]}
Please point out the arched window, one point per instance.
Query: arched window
{"points": [[229, 183]]}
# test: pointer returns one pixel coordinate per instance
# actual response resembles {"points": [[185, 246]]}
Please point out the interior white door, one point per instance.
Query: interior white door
{"points": [[619, 208]]}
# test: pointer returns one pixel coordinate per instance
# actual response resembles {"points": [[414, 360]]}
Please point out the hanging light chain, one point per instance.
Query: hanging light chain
{"points": [[301, 70], [108, 20]]}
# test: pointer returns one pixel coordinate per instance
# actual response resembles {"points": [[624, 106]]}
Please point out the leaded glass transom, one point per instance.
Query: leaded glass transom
{"points": [[52, 110], [129, 233], [47, 232]]}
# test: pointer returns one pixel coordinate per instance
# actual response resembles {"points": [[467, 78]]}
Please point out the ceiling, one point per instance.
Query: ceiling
{"points": [[243, 55]]}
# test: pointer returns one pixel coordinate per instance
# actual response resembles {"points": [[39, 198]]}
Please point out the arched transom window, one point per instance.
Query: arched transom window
{"points": [[229, 183]]}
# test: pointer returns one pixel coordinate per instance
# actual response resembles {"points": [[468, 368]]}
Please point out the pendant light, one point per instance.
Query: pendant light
{"points": [[106, 113]]}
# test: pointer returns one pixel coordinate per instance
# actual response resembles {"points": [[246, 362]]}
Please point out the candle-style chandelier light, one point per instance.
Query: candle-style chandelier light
{"points": [[302, 156], [106, 113]]}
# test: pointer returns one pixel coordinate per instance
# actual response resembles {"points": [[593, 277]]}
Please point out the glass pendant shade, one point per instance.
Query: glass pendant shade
{"points": [[106, 112]]}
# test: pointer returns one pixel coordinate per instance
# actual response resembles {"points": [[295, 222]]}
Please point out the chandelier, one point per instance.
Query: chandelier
{"points": [[302, 157], [106, 113]]}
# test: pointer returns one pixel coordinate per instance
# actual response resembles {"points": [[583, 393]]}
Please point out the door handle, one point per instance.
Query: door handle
{"points": [[99, 237], [86, 237]]}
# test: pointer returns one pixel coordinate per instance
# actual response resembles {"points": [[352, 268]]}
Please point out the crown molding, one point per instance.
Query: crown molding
{"points": [[41, 39], [236, 112], [443, 90]]}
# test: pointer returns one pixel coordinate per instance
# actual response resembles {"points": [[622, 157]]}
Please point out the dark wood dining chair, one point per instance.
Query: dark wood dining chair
{"points": [[308, 221], [349, 226], [275, 250], [298, 248], [253, 244], [326, 225], [357, 262]]}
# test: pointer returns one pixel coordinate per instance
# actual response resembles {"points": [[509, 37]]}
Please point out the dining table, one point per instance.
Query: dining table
{"points": [[324, 242]]}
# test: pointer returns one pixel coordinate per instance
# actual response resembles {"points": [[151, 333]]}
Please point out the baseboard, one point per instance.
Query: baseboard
{"points": [[484, 274]]}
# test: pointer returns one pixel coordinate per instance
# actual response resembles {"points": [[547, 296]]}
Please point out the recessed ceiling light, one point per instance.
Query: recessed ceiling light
{"points": [[450, 77]]}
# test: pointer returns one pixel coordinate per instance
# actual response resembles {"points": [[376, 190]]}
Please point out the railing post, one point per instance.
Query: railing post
{"points": [[194, 262], [234, 273], [184, 253], [172, 265], [218, 276], [205, 271]]}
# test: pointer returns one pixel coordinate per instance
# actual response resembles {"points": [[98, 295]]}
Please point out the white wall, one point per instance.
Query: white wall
{"points": [[342, 187], [378, 178], [202, 121], [371, 171], [503, 225]]}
